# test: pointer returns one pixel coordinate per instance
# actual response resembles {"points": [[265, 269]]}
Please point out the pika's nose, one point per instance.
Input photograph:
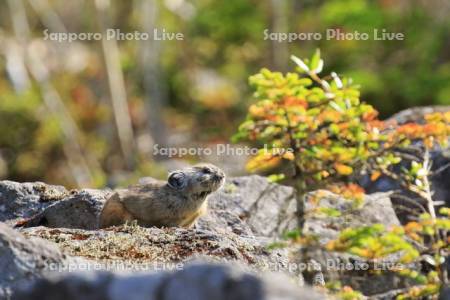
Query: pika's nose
{"points": [[218, 177]]}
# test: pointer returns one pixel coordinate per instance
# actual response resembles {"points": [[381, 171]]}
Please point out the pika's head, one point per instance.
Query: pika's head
{"points": [[201, 179]]}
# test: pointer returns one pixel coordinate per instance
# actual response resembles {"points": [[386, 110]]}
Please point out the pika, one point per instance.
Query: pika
{"points": [[179, 202]]}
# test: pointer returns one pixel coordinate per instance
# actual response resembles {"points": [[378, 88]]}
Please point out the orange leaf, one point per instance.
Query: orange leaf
{"points": [[343, 169], [375, 175], [289, 156]]}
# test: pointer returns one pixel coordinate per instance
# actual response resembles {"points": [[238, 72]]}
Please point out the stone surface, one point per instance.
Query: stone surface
{"points": [[375, 209], [416, 114], [244, 217], [251, 205], [24, 200], [247, 206], [144, 246], [445, 293], [81, 209], [24, 259], [198, 281]]}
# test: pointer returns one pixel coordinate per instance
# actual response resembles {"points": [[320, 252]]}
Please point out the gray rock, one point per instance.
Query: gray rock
{"points": [[416, 114], [444, 293], [23, 200], [348, 269], [242, 220], [149, 246], [251, 205], [23, 260], [375, 209], [198, 281], [80, 210], [248, 206]]}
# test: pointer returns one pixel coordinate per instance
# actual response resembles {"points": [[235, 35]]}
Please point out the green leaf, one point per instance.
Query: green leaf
{"points": [[316, 64], [330, 212], [300, 63], [276, 177], [336, 106], [292, 235]]}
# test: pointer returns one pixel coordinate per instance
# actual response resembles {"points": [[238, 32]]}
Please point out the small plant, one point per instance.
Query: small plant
{"points": [[322, 129], [319, 128]]}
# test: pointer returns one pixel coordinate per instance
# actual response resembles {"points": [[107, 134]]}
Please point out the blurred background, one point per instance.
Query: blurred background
{"points": [[88, 113]]}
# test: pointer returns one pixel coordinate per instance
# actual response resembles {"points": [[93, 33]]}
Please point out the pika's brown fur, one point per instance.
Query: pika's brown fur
{"points": [[178, 202]]}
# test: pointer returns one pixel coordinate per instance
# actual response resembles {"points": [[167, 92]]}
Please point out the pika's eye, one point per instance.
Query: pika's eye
{"points": [[206, 171]]}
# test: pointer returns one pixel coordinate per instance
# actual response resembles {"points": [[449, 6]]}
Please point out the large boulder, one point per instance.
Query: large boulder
{"points": [[251, 205], [248, 206], [348, 269], [197, 281], [148, 247], [24, 200], [24, 259], [80, 209], [36, 269], [375, 209], [243, 218]]}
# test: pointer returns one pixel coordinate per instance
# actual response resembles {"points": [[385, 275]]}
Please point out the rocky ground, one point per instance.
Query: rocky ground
{"points": [[56, 233], [50, 245]]}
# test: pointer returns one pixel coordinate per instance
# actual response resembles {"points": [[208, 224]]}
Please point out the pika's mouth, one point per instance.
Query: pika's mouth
{"points": [[218, 181]]}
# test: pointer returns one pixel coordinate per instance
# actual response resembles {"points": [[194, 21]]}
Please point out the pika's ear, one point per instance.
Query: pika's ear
{"points": [[177, 180]]}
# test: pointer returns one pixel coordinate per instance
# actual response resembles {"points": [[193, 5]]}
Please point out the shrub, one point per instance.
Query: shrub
{"points": [[319, 133]]}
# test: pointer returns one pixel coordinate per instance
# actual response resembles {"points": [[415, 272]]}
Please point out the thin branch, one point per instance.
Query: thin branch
{"points": [[427, 185], [410, 201], [72, 149], [440, 170], [117, 88], [154, 85], [47, 15]]}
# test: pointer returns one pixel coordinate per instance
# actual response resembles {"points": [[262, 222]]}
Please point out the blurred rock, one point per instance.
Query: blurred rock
{"points": [[198, 281], [444, 293], [417, 114], [24, 259]]}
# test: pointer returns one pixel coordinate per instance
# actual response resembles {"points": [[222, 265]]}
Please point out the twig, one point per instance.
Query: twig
{"points": [[427, 186], [72, 149], [117, 88], [440, 170]]}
